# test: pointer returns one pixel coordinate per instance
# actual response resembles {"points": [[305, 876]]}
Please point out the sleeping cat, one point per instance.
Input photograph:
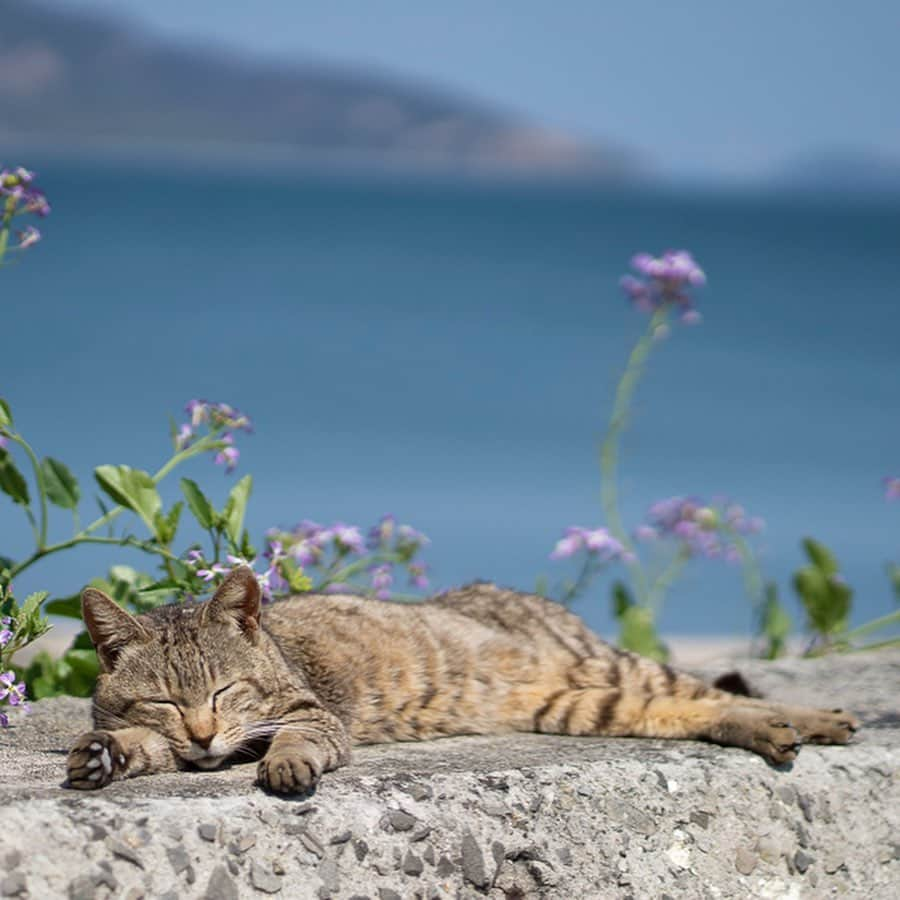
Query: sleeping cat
{"points": [[296, 684]]}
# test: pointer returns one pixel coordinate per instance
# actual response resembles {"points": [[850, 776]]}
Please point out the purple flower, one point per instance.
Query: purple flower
{"points": [[704, 529], [666, 280], [348, 537], [184, 437], [407, 536], [380, 534], [892, 488], [382, 579], [13, 693], [305, 552], [5, 637], [418, 576], [598, 542], [4, 442], [229, 455], [28, 236]]}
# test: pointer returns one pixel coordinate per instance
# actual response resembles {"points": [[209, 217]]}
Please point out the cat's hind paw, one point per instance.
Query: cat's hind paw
{"points": [[287, 772], [94, 761]]}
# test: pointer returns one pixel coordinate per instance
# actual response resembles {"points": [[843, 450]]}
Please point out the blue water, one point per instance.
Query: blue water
{"points": [[448, 353]]}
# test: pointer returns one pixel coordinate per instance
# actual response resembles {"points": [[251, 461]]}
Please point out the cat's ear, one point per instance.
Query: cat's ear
{"points": [[110, 627], [236, 601]]}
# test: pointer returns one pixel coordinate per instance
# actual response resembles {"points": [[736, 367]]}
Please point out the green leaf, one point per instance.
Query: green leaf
{"points": [[198, 504], [6, 418], [820, 556], [775, 623], [32, 604], [12, 482], [236, 507], [70, 607], [167, 524], [638, 633], [621, 599], [60, 484], [132, 488]]}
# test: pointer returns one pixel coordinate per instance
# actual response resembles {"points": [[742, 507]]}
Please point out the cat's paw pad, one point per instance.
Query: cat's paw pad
{"points": [[287, 772], [94, 761]]}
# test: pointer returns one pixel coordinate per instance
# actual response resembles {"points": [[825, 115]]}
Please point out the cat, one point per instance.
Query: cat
{"points": [[295, 684]]}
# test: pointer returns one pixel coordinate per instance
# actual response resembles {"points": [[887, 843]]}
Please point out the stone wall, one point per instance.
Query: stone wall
{"points": [[504, 817]]}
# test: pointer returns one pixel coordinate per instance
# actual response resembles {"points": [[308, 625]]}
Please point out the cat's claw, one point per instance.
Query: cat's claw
{"points": [[287, 773], [94, 761]]}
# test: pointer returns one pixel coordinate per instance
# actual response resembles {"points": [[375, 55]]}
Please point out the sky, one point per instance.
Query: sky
{"points": [[698, 88]]}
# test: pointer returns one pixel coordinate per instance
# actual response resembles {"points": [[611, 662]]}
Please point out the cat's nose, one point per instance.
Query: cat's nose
{"points": [[202, 740]]}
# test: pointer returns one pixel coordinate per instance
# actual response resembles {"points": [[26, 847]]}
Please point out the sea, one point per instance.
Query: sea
{"points": [[447, 351]]}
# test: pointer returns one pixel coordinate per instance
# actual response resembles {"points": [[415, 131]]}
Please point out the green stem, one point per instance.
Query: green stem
{"points": [[129, 541], [39, 480], [609, 449], [200, 447], [753, 583], [874, 625], [581, 583], [85, 535], [356, 567], [665, 580]]}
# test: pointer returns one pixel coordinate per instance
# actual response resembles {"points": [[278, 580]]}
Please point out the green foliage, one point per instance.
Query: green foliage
{"points": [[235, 509], [12, 481], [198, 504], [825, 596], [132, 488], [60, 484], [637, 626], [775, 623], [73, 673]]}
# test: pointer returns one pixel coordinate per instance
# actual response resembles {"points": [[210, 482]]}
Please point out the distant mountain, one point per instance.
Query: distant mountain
{"points": [[75, 80], [846, 171]]}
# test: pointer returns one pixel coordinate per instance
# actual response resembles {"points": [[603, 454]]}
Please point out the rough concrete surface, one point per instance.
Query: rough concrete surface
{"points": [[518, 816]]}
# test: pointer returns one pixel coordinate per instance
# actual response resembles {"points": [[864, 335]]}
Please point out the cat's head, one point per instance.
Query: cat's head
{"points": [[199, 674]]}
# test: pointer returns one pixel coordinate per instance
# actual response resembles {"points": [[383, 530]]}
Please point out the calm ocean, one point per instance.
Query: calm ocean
{"points": [[448, 353]]}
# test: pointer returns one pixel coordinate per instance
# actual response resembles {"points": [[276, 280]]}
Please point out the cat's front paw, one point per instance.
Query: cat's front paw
{"points": [[94, 761], [287, 772]]}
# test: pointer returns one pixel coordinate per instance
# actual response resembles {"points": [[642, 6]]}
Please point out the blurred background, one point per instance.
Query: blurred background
{"points": [[392, 234]]}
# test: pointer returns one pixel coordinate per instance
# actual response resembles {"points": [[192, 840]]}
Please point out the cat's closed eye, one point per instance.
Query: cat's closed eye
{"points": [[158, 701], [219, 692]]}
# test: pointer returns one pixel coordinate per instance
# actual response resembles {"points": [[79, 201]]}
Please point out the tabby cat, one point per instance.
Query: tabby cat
{"points": [[297, 683]]}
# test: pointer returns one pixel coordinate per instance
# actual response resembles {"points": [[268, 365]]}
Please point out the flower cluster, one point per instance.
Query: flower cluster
{"points": [[330, 550], [598, 543], [892, 488], [704, 529], [13, 693], [216, 416], [666, 282], [6, 634], [272, 581], [19, 195]]}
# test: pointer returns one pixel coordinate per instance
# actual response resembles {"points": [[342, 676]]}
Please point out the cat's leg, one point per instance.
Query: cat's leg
{"points": [[630, 696], [98, 757], [308, 742], [816, 726]]}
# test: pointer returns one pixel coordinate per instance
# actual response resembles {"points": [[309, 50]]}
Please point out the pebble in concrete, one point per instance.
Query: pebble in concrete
{"points": [[473, 861], [400, 821], [745, 861], [221, 886], [264, 881], [13, 885]]}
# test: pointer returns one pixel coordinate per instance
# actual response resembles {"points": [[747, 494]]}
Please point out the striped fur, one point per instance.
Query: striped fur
{"points": [[299, 682]]}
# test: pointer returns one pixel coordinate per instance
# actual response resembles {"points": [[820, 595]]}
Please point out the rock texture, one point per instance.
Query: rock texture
{"points": [[518, 816]]}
